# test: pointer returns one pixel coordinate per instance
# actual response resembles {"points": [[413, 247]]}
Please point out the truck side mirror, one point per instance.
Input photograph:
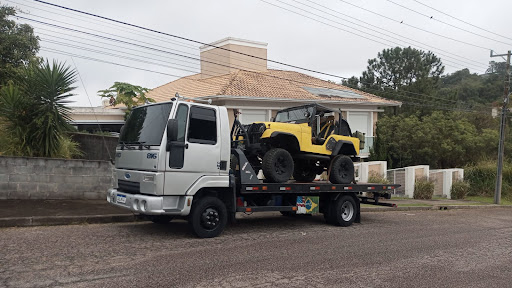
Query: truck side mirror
{"points": [[172, 130]]}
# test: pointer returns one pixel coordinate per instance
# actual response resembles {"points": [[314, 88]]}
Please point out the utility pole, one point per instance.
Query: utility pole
{"points": [[501, 146]]}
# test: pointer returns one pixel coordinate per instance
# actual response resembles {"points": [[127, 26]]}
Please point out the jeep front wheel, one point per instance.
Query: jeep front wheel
{"points": [[277, 165], [341, 170]]}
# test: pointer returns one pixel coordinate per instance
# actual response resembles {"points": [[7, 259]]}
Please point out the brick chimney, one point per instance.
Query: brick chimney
{"points": [[234, 60]]}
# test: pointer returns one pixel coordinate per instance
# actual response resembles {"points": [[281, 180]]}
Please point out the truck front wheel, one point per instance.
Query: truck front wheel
{"points": [[342, 170], [277, 165], [208, 217]]}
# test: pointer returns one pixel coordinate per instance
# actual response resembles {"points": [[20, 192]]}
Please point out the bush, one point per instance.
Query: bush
{"points": [[377, 178], [459, 189], [69, 149], [482, 179], [423, 189]]}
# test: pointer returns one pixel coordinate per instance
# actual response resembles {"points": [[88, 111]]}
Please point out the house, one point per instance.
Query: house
{"points": [[97, 119], [241, 81]]}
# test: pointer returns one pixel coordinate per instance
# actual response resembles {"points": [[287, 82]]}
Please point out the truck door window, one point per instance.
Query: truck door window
{"points": [[181, 116], [202, 126]]}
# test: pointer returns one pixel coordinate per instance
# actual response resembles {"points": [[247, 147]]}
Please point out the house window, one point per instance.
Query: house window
{"points": [[202, 126]]}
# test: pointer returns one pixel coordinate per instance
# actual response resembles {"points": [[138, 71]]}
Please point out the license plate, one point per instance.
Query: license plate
{"points": [[120, 199]]}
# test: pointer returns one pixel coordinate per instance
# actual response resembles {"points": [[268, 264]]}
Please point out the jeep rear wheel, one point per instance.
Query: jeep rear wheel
{"points": [[304, 171], [277, 165], [342, 170]]}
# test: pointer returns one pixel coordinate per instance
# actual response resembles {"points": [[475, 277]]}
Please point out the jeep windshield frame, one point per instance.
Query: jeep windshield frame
{"points": [[146, 125], [297, 114]]}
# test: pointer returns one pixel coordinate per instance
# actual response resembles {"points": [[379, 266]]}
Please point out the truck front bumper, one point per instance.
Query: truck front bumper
{"points": [[151, 205]]}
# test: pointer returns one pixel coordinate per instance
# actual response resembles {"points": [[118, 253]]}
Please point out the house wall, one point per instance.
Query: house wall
{"points": [[44, 178]]}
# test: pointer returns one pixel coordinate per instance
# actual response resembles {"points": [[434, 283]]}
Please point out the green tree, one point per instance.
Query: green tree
{"points": [[126, 94], [352, 82], [18, 45], [441, 140], [33, 112], [397, 67]]}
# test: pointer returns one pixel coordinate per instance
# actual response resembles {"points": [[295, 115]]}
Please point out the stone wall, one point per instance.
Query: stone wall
{"points": [[44, 178]]}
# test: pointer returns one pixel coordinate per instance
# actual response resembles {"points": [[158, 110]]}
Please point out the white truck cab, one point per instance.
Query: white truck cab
{"points": [[166, 153]]}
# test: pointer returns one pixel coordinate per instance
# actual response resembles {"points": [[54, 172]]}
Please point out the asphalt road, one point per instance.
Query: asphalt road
{"points": [[457, 248]]}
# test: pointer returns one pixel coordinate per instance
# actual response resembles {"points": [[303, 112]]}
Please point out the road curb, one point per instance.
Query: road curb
{"points": [[120, 218], [65, 220], [426, 208]]}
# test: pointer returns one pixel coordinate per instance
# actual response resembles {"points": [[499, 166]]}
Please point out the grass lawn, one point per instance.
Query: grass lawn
{"points": [[487, 200]]}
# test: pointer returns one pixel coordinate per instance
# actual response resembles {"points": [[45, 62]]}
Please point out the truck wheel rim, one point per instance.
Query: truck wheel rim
{"points": [[210, 218], [347, 211]]}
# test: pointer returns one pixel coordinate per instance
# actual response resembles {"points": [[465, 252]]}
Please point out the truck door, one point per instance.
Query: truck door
{"points": [[197, 150]]}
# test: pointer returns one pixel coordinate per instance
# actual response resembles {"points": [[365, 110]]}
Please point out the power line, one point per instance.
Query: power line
{"points": [[445, 23], [152, 63], [415, 27], [380, 28], [465, 22], [194, 41], [172, 53], [106, 62], [435, 105], [247, 71], [128, 30], [400, 45]]}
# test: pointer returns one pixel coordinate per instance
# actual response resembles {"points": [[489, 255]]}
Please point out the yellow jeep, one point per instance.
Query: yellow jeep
{"points": [[302, 141]]}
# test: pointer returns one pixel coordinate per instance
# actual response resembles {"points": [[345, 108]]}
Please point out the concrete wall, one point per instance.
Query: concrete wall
{"points": [[44, 178], [96, 147]]}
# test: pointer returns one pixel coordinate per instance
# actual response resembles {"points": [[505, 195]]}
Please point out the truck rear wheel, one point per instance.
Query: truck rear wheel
{"points": [[342, 170], [277, 165], [208, 217], [343, 211], [304, 172]]}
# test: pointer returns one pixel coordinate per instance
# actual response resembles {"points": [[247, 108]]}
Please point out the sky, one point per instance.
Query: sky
{"points": [[336, 38]]}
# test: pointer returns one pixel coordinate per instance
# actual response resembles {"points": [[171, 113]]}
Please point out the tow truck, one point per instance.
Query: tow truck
{"points": [[178, 159]]}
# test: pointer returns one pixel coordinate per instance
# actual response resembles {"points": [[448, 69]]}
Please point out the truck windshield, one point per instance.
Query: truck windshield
{"points": [[146, 125], [297, 115]]}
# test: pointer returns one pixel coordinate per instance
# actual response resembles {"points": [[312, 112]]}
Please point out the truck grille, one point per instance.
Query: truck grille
{"points": [[128, 187]]}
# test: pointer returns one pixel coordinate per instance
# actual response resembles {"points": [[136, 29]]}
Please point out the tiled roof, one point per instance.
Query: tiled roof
{"points": [[272, 84]]}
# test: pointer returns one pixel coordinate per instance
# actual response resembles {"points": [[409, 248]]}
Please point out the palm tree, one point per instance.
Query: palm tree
{"points": [[38, 108]]}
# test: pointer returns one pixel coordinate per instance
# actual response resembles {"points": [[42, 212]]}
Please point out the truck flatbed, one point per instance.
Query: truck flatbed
{"points": [[313, 188]]}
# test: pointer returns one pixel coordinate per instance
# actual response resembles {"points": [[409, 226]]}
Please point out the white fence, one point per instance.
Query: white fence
{"points": [[406, 177], [443, 180]]}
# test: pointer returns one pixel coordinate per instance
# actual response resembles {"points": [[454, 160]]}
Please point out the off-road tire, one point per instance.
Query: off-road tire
{"points": [[277, 165], [208, 217], [341, 170], [160, 219], [343, 211], [303, 172]]}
